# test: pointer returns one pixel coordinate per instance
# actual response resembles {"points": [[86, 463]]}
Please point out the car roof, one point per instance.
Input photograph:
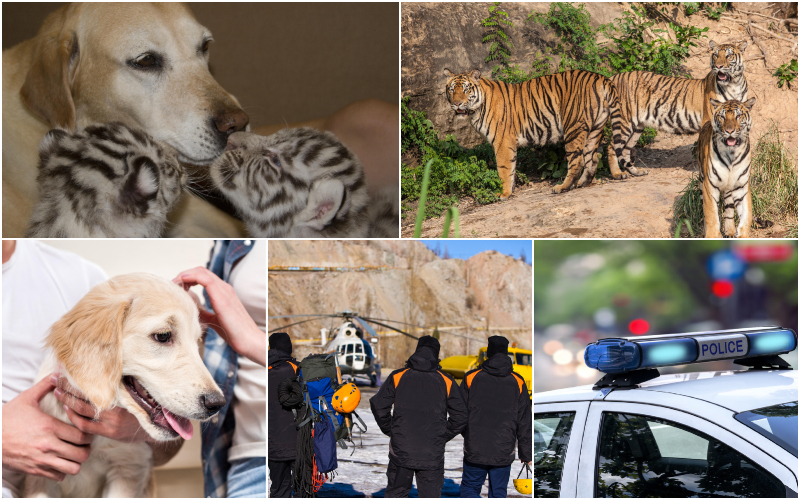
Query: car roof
{"points": [[736, 390]]}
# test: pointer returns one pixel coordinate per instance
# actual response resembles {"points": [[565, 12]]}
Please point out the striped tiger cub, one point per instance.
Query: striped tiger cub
{"points": [[724, 154], [108, 180], [573, 107], [302, 183], [675, 105]]}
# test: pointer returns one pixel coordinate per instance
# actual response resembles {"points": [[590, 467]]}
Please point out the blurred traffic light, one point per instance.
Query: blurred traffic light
{"points": [[722, 288]]}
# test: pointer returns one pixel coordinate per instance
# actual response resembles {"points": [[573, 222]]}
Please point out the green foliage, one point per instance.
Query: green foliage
{"points": [[786, 73], [660, 56], [416, 131], [715, 12], [692, 7], [647, 137], [514, 74], [579, 48], [773, 184], [500, 43]]}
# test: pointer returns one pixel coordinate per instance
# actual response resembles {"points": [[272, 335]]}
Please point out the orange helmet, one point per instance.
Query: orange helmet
{"points": [[346, 398]]}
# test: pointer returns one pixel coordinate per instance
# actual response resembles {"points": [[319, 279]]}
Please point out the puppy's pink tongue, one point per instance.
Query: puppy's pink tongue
{"points": [[181, 425]]}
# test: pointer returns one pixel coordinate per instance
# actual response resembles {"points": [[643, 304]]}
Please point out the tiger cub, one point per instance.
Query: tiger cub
{"points": [[301, 183], [724, 155], [674, 105], [573, 106], [107, 180]]}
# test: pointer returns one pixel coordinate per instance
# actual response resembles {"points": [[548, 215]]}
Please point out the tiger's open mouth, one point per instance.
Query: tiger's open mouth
{"points": [[732, 141], [722, 76], [462, 112], [160, 416]]}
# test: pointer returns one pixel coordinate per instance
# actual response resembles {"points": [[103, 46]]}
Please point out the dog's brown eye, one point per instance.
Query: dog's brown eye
{"points": [[206, 45], [162, 337], [147, 61]]}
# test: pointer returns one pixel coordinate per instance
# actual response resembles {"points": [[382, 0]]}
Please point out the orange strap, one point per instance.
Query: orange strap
{"points": [[448, 382], [270, 368], [520, 381], [470, 377], [293, 366], [397, 377]]}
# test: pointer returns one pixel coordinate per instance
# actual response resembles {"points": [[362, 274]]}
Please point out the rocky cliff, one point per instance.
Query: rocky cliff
{"points": [[414, 287]]}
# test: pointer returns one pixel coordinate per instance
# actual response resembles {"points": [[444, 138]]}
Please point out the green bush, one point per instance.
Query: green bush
{"points": [[578, 48], [500, 43], [786, 74]]}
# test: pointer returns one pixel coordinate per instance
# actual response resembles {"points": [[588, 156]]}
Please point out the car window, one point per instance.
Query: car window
{"points": [[523, 359], [550, 439], [644, 457], [777, 423]]}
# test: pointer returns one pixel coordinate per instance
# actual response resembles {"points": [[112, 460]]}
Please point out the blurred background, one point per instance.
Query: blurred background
{"points": [[588, 290]]}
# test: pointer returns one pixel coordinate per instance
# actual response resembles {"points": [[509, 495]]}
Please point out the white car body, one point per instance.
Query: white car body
{"points": [[704, 401]]}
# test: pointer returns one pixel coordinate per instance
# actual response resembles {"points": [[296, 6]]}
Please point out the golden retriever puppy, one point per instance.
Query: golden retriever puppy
{"points": [[132, 341], [145, 65]]}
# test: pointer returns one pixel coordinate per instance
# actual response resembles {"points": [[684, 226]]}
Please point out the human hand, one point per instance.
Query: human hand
{"points": [[36, 443], [116, 423], [229, 319]]}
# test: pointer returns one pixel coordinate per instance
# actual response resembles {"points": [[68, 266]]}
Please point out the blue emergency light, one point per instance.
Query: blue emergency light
{"points": [[639, 353]]}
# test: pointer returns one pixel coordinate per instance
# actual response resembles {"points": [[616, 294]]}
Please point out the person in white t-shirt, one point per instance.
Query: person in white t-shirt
{"points": [[41, 284]]}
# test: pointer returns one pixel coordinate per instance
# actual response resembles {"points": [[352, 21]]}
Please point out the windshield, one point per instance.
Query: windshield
{"points": [[777, 423], [523, 359]]}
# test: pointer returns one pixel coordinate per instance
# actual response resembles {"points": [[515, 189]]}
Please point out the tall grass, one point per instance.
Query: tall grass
{"points": [[773, 183]]}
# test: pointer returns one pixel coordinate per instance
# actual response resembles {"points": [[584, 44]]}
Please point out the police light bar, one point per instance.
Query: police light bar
{"points": [[627, 354]]}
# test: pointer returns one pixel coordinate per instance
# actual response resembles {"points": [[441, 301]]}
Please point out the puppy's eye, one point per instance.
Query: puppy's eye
{"points": [[162, 337], [148, 61], [206, 44]]}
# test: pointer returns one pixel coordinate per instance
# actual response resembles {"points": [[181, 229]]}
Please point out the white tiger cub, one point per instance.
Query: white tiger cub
{"points": [[724, 155], [301, 183], [107, 180]]}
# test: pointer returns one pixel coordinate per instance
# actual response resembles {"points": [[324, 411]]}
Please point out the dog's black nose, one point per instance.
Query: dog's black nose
{"points": [[213, 402], [230, 121]]}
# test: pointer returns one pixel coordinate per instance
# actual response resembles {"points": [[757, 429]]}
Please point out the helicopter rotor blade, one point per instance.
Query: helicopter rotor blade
{"points": [[306, 316], [292, 324], [367, 327], [394, 321], [390, 327]]}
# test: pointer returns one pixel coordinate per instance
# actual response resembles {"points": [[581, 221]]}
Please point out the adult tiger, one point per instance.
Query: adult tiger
{"points": [[674, 105], [573, 106], [723, 150]]}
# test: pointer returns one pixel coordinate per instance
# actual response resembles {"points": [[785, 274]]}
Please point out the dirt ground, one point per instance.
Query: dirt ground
{"points": [[642, 207]]}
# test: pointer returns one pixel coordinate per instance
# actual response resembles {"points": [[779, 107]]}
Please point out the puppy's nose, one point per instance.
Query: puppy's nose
{"points": [[231, 120], [212, 402]]}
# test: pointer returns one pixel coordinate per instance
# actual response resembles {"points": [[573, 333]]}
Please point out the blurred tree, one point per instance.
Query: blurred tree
{"points": [[665, 281]]}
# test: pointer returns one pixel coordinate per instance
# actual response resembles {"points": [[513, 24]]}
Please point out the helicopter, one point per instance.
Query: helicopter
{"points": [[355, 355]]}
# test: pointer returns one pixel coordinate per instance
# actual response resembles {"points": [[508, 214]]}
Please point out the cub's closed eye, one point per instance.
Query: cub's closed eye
{"points": [[162, 337]]}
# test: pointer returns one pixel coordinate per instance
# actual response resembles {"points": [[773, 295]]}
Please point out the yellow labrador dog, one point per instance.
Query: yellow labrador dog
{"points": [[132, 342], [143, 64]]}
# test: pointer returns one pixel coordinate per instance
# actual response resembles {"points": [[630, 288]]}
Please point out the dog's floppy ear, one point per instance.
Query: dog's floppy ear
{"points": [[47, 89], [87, 342]]}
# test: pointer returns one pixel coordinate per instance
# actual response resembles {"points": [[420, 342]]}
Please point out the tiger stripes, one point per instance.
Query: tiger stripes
{"points": [[572, 106], [674, 105], [724, 155]]}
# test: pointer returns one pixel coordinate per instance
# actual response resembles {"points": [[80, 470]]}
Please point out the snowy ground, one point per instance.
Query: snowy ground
{"points": [[364, 473]]}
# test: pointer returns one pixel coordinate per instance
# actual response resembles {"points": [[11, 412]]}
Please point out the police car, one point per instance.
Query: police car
{"points": [[637, 434]]}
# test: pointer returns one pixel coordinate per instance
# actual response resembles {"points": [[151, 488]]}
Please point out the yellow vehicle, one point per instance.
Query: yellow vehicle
{"points": [[457, 366]]}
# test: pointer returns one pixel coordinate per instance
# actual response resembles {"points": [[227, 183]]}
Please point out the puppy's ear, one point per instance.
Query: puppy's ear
{"points": [[47, 89], [87, 342]]}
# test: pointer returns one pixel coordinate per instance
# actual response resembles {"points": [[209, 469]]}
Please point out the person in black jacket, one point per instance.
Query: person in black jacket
{"points": [[419, 427], [499, 417], [281, 431]]}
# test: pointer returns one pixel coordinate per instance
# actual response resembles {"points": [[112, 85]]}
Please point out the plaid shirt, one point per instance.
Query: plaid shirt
{"points": [[222, 362]]}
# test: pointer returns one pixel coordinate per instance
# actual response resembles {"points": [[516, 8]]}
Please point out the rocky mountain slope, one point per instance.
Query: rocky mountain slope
{"points": [[415, 287]]}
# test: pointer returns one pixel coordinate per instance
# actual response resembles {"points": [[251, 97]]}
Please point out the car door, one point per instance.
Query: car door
{"points": [[633, 449], [557, 434]]}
